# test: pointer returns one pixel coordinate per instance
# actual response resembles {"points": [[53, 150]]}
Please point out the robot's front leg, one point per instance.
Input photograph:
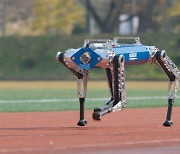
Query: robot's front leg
{"points": [[173, 73], [116, 81], [81, 86], [82, 89]]}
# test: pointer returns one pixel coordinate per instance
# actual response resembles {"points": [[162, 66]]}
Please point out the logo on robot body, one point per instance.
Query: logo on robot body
{"points": [[133, 56]]}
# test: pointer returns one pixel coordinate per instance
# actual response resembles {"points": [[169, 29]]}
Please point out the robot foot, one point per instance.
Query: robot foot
{"points": [[82, 123], [99, 112], [111, 105], [168, 123]]}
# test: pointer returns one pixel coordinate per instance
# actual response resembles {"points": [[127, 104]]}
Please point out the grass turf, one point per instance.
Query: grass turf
{"points": [[15, 91]]}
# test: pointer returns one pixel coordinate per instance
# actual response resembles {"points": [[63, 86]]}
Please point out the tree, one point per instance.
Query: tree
{"points": [[57, 15], [110, 19], [175, 9], [152, 13], [174, 16], [14, 16], [3, 12]]}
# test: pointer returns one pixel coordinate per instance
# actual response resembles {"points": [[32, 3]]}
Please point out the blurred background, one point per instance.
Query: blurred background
{"points": [[32, 31]]}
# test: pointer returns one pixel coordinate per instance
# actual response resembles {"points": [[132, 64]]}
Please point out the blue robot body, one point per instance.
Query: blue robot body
{"points": [[134, 54]]}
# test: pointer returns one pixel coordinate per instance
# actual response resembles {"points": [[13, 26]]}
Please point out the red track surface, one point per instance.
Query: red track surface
{"points": [[128, 131]]}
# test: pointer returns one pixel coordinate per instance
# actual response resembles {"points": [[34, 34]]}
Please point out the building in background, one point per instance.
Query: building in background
{"points": [[128, 27]]}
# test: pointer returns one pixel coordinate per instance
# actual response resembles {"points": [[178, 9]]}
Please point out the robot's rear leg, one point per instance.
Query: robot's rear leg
{"points": [[98, 112], [116, 82]]}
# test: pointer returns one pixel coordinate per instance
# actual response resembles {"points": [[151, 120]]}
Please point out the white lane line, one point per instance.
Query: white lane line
{"points": [[120, 144], [58, 148], [88, 99]]}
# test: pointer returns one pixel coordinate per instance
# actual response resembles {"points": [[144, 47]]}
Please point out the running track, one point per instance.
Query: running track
{"points": [[137, 131]]}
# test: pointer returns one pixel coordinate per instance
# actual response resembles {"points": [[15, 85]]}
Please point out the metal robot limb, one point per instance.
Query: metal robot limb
{"points": [[116, 81], [173, 73], [81, 86], [82, 90]]}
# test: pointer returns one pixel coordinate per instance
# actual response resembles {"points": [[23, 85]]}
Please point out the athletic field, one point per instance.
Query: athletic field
{"points": [[137, 129], [62, 95]]}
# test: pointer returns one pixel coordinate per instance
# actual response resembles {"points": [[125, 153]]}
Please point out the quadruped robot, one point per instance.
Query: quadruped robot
{"points": [[113, 56]]}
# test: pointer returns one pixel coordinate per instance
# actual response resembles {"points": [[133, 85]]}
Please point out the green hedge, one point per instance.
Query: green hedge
{"points": [[33, 57]]}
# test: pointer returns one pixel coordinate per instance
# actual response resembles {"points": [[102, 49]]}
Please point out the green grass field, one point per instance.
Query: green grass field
{"points": [[62, 95]]}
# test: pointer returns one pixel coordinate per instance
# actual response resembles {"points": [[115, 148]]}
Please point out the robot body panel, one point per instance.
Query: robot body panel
{"points": [[134, 55]]}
